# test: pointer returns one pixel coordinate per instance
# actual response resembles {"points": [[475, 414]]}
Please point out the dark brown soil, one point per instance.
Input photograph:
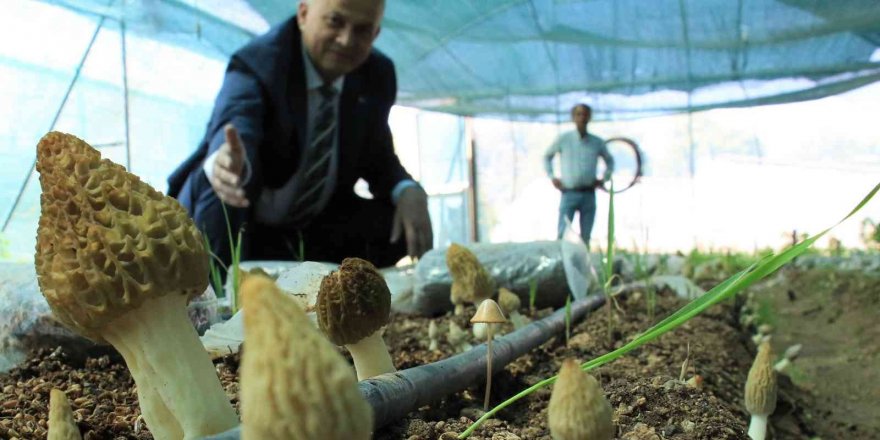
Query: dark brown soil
{"points": [[642, 387]]}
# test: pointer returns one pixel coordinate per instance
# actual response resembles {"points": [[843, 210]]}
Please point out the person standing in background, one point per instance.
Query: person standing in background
{"points": [[579, 153]]}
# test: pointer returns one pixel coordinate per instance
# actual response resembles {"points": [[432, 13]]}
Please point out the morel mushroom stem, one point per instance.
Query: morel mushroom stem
{"points": [[370, 356], [175, 377]]}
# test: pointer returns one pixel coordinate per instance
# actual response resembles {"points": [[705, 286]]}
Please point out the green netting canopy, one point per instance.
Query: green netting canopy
{"points": [[534, 59]]}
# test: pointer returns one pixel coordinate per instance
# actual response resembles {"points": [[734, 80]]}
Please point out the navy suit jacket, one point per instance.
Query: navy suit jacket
{"points": [[264, 96]]}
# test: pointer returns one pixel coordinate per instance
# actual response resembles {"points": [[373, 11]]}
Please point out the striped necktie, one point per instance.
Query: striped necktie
{"points": [[316, 166]]}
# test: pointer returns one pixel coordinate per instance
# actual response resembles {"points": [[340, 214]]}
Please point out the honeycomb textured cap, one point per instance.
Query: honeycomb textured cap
{"points": [[578, 409], [470, 281], [353, 302], [106, 241], [761, 383], [62, 425], [294, 383]]}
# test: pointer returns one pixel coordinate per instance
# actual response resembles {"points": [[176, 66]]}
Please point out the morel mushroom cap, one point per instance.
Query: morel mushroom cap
{"points": [[761, 383], [578, 409], [106, 240], [117, 262], [353, 302], [471, 282], [62, 425], [508, 301], [488, 313], [294, 384]]}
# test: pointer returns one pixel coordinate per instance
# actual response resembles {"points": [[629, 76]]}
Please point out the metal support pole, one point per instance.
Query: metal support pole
{"points": [[76, 74], [471, 155], [125, 96]]}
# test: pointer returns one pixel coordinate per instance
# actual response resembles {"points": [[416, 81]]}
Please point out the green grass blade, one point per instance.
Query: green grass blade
{"points": [[726, 289]]}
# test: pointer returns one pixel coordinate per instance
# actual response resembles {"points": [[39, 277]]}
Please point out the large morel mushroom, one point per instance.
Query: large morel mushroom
{"points": [[117, 262]]}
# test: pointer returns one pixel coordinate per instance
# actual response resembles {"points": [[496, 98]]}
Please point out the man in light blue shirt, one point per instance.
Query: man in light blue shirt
{"points": [[579, 153]]}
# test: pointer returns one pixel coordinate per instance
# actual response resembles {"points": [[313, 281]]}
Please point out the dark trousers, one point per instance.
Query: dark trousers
{"points": [[350, 226]]}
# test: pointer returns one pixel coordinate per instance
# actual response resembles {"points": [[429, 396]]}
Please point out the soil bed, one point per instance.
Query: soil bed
{"points": [[642, 387]]}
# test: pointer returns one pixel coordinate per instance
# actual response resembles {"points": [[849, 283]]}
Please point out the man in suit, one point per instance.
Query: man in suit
{"points": [[301, 116]]}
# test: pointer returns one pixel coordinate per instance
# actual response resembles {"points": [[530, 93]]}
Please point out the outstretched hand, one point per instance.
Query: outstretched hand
{"points": [[411, 219], [228, 168]]}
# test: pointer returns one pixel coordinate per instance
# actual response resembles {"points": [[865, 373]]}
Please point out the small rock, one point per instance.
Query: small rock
{"points": [[641, 432], [669, 430], [439, 425], [688, 426], [472, 413], [505, 436]]}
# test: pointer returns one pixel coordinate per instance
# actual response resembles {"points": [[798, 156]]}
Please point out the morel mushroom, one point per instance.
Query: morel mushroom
{"points": [[62, 426], [294, 384], [353, 305], [578, 409], [471, 282], [117, 262], [761, 391], [510, 304]]}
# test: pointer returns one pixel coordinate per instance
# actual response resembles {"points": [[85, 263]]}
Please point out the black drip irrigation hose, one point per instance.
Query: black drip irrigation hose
{"points": [[394, 395]]}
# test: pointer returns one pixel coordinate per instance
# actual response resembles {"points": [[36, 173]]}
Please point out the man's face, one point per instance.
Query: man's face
{"points": [[580, 116], [338, 34]]}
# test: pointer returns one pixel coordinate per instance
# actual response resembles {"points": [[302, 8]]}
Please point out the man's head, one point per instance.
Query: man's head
{"points": [[339, 34], [580, 115]]}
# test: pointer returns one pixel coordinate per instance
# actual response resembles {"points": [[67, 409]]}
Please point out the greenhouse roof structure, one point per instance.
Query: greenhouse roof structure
{"points": [[533, 59]]}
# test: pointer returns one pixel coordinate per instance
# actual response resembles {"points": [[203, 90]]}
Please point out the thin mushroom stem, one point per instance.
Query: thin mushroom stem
{"points": [[489, 336]]}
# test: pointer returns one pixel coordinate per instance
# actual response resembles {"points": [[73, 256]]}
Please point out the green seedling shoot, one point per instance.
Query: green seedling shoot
{"points": [[533, 293], [723, 291], [233, 271], [213, 262]]}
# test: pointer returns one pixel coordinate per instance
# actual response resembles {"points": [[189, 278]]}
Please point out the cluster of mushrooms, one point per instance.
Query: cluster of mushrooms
{"points": [[118, 261]]}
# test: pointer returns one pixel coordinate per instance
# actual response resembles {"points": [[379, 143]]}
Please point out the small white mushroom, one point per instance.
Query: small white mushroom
{"points": [[432, 335], [791, 353], [458, 338]]}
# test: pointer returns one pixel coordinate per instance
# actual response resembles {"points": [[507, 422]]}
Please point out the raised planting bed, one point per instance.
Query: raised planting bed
{"points": [[643, 388]]}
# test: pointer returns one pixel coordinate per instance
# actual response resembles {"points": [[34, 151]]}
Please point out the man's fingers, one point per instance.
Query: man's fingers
{"points": [[226, 177], [229, 194], [233, 139]]}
